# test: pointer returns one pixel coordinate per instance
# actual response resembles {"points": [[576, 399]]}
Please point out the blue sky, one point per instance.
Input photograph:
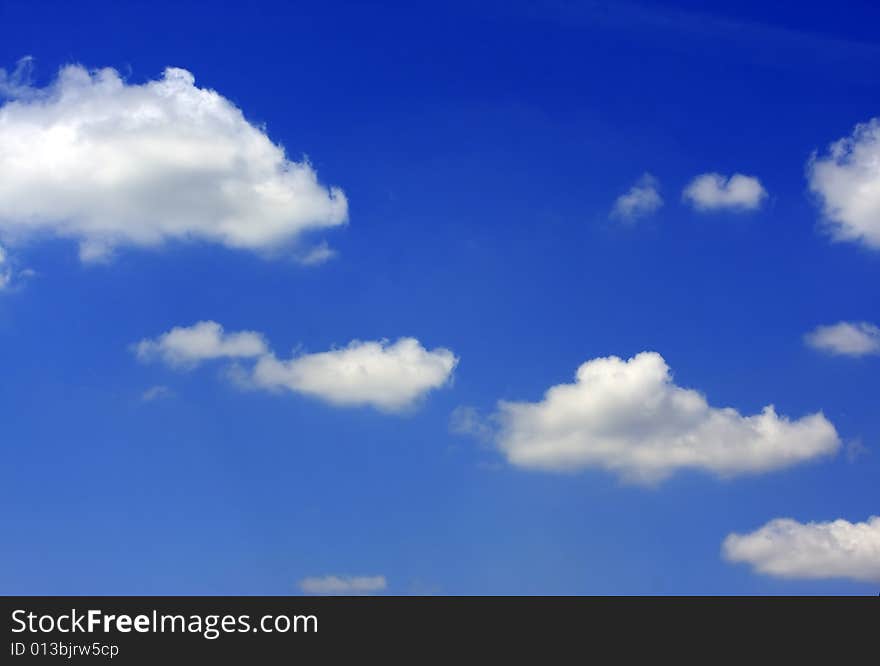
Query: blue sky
{"points": [[481, 151]]}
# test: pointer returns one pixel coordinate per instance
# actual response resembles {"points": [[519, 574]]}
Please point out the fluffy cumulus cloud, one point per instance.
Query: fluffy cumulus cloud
{"points": [[628, 417], [789, 549], [109, 163], [206, 340], [846, 180], [346, 585], [642, 199], [846, 338], [387, 376], [381, 374], [712, 192]]}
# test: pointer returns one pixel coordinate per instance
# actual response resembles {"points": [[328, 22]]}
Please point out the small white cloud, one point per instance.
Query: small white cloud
{"points": [[856, 449], [387, 376], [113, 164], [789, 549], [344, 585], [319, 254], [858, 338], [629, 417], [641, 200], [155, 393], [11, 277], [380, 374], [5, 271], [712, 192], [469, 421], [847, 182], [206, 340]]}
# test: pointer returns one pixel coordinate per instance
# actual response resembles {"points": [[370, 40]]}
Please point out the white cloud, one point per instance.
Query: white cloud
{"points": [[11, 276], [5, 271], [858, 338], [384, 375], [629, 417], [109, 164], [712, 191], [847, 182], [642, 199], [319, 254], [789, 549], [206, 340], [856, 449], [155, 393], [469, 421], [346, 585], [18, 82]]}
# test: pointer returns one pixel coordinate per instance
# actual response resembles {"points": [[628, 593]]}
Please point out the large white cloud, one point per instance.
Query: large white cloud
{"points": [[712, 191], [640, 200], [857, 338], [628, 417], [109, 164], [380, 374], [847, 182], [789, 549], [343, 584]]}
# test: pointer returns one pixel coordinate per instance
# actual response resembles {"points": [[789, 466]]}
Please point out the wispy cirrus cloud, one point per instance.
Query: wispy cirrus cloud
{"points": [[319, 254], [17, 83], [343, 585], [466, 420], [5, 270], [154, 393], [11, 275]]}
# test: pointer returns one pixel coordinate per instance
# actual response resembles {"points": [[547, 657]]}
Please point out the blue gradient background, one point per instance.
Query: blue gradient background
{"points": [[481, 148]]}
